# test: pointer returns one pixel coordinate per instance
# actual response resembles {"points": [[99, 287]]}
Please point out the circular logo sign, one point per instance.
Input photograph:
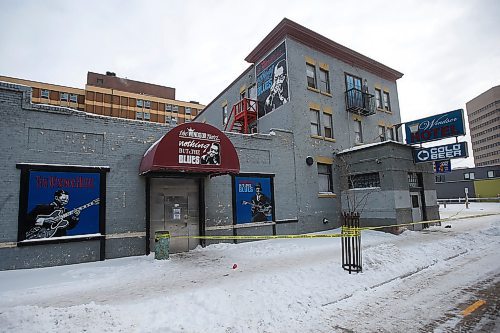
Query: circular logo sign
{"points": [[423, 155]]}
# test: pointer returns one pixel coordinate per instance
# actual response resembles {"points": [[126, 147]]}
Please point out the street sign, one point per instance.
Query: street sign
{"points": [[436, 127], [439, 153], [442, 166]]}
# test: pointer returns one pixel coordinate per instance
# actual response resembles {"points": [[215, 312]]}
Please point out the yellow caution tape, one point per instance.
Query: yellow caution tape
{"points": [[346, 231]]}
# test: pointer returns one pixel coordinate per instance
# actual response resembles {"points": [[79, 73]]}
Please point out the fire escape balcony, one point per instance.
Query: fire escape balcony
{"points": [[359, 102], [243, 116]]}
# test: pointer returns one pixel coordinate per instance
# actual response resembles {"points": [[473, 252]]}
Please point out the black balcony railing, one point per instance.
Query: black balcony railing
{"points": [[359, 102]]}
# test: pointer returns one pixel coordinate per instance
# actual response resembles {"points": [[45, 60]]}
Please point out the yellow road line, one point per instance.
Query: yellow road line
{"points": [[473, 307]]}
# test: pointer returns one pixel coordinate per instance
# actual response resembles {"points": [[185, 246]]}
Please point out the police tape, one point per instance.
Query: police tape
{"points": [[346, 232], [262, 237]]}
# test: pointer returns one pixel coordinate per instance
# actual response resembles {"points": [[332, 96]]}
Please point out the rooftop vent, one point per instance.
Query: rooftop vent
{"points": [[110, 73]]}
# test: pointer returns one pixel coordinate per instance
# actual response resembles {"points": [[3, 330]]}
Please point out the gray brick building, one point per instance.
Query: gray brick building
{"points": [[321, 124]]}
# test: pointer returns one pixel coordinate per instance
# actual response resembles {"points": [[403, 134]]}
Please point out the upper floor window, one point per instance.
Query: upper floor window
{"points": [[328, 125], [167, 119], [139, 115], [378, 98], [314, 115], [168, 107], [73, 98], [188, 110], [175, 108], [174, 121], [387, 101], [352, 82], [389, 133], [381, 133], [469, 175], [44, 93], [358, 133], [147, 104], [311, 76], [252, 92], [324, 80], [139, 103], [491, 174], [64, 97], [147, 116], [325, 177], [224, 115]]}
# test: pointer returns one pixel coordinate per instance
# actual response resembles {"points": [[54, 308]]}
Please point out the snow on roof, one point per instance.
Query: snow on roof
{"points": [[369, 145]]}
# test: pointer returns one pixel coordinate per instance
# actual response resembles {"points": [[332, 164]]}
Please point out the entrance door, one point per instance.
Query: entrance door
{"points": [[416, 204], [175, 208]]}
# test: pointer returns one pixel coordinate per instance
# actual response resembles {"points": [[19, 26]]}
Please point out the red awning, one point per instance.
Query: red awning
{"points": [[192, 147]]}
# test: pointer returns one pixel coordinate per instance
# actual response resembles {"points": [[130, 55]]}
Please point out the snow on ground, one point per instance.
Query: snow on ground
{"points": [[283, 285]]}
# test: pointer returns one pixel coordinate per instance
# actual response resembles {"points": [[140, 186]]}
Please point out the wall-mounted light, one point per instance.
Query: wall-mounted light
{"points": [[325, 220], [309, 160]]}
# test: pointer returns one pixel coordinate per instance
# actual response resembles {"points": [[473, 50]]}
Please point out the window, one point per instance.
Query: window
{"points": [[242, 95], [252, 92], [147, 116], [440, 178], [469, 175], [387, 101], [324, 80], [167, 119], [328, 125], [353, 89], [174, 121], [381, 133], [314, 114], [139, 103], [73, 98], [491, 174], [224, 115], [64, 97], [44, 93], [139, 115], [175, 108], [389, 133], [311, 76], [414, 201], [413, 180], [325, 177], [188, 110], [378, 98], [187, 120], [365, 180], [100, 81], [147, 104], [168, 107], [358, 134]]}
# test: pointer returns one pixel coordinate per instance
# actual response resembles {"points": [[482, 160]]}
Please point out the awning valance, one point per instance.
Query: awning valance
{"points": [[192, 147]]}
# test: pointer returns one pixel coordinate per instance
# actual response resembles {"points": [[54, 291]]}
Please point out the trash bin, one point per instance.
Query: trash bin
{"points": [[162, 243]]}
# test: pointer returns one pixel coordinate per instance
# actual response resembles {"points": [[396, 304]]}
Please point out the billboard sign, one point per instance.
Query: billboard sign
{"points": [[439, 153], [442, 166], [437, 127], [272, 80]]}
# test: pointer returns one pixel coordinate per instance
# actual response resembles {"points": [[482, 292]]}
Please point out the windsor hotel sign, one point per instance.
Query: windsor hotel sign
{"points": [[437, 127]]}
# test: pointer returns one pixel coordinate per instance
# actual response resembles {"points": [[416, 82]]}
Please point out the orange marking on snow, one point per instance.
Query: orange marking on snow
{"points": [[473, 307]]}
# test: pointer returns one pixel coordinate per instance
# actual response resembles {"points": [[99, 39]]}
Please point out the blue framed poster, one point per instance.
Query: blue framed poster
{"points": [[253, 199], [57, 202]]}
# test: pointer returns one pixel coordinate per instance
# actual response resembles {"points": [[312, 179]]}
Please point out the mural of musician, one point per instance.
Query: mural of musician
{"points": [[65, 215], [254, 199]]}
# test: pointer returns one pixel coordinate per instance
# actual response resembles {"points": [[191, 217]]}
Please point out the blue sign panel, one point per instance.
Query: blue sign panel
{"points": [[436, 127], [442, 166], [254, 199], [439, 153], [61, 204]]}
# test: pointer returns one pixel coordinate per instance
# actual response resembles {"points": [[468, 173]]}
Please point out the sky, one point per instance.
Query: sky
{"points": [[448, 50], [414, 281]]}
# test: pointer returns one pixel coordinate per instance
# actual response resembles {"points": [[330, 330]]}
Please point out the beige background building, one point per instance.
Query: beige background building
{"points": [[484, 124]]}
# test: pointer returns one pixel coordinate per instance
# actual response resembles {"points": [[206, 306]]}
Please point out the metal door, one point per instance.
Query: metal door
{"points": [[175, 208], [416, 204]]}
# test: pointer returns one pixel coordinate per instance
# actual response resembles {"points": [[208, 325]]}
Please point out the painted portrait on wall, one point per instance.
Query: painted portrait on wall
{"points": [[253, 199], [272, 80], [60, 203]]}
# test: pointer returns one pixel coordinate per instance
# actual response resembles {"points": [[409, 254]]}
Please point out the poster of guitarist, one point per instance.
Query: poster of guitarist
{"points": [[54, 219], [261, 205]]}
